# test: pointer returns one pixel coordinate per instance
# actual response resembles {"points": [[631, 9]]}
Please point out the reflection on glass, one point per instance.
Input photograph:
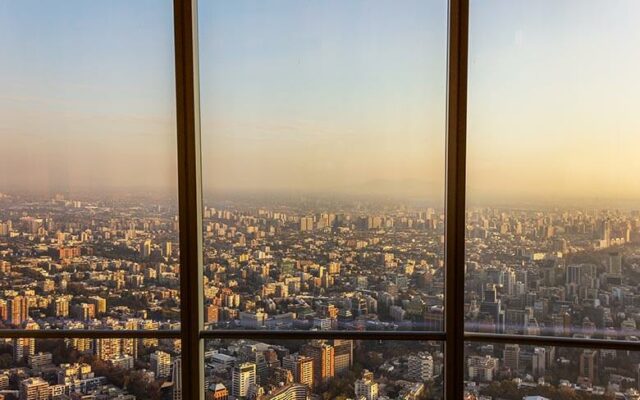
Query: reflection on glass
{"points": [[323, 369], [112, 368], [514, 371], [88, 216], [553, 221], [323, 163]]}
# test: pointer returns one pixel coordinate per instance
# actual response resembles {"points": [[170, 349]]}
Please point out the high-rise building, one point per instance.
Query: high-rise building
{"points": [[301, 368], [108, 348], [243, 380], [482, 368], [212, 314], [34, 389], [366, 387], [614, 267], [176, 378], [588, 365], [161, 364], [539, 362], [168, 249], [145, 249], [343, 355], [420, 367], [306, 224], [323, 356], [84, 311], [511, 356], [99, 304], [25, 347], [60, 307], [18, 310]]}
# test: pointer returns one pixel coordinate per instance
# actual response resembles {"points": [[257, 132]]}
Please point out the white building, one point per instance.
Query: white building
{"points": [[420, 367], [161, 364], [243, 379], [366, 387]]}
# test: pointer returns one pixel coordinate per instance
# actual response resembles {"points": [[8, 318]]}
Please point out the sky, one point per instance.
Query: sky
{"points": [[324, 96]]}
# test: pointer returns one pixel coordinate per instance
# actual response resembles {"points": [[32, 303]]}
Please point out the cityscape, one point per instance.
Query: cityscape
{"points": [[322, 128], [306, 263]]}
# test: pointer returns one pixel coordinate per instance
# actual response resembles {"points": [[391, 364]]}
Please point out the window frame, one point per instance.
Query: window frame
{"points": [[192, 333]]}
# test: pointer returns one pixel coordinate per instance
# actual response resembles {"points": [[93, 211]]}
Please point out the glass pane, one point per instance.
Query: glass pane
{"points": [[553, 221], [331, 369], [88, 198], [511, 371], [323, 126], [114, 368]]}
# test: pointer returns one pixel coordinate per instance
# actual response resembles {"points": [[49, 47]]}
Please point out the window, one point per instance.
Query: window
{"points": [[276, 202], [551, 236], [323, 128]]}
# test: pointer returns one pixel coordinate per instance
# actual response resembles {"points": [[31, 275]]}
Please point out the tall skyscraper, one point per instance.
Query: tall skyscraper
{"points": [[108, 348], [18, 310], [614, 267], [588, 365], [25, 347], [243, 379], [145, 249], [176, 378], [323, 356], [301, 368], [161, 364], [343, 355], [539, 362], [511, 356]]}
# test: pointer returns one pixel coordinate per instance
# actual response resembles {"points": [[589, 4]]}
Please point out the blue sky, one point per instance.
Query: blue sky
{"points": [[344, 96]]}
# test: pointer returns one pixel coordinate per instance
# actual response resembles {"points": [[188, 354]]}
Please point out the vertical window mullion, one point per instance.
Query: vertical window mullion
{"points": [[190, 196], [455, 196]]}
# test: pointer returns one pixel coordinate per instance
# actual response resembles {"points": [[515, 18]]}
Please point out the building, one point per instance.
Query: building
{"points": [[176, 378], [218, 392], [243, 380], [293, 391], [539, 362], [99, 304], [511, 356], [255, 320], [108, 348], [161, 364], [212, 314], [39, 360], [18, 310], [301, 368], [323, 356], [615, 263], [34, 389], [366, 387], [60, 307], [84, 311], [420, 367], [145, 249], [25, 347], [343, 355], [482, 368], [588, 365]]}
